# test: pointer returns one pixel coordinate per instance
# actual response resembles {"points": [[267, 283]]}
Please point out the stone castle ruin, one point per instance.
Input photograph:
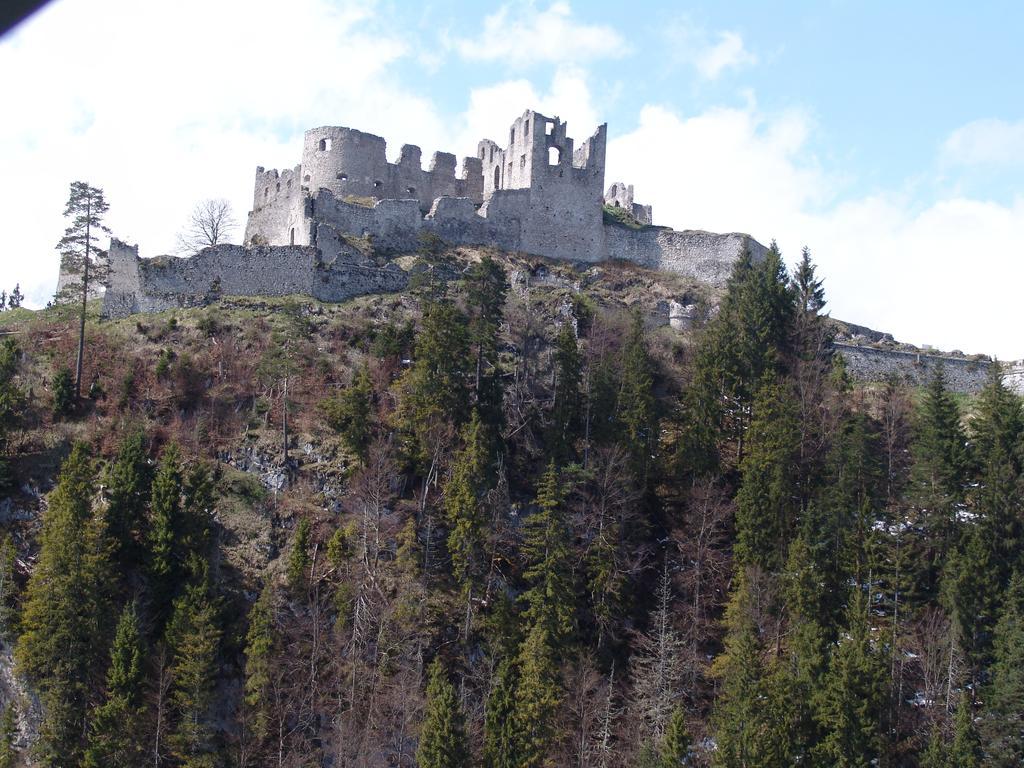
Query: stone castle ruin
{"points": [[315, 229]]}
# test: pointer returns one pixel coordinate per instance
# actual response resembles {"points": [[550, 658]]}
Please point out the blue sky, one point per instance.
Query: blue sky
{"points": [[888, 137]]}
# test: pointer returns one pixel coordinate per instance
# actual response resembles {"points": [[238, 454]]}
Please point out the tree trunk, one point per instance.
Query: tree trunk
{"points": [[85, 298]]}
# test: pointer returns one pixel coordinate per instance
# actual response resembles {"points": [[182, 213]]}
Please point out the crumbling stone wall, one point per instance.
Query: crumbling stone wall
{"points": [[620, 195], [166, 282], [916, 368]]}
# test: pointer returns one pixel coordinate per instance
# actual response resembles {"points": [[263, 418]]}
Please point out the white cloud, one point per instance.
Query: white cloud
{"points": [[710, 55], [181, 104], [523, 35], [493, 108], [728, 53], [946, 274], [986, 143]]}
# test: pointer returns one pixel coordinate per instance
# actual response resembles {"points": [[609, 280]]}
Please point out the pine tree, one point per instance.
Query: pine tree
{"points": [[940, 475], [463, 505], [765, 511], [746, 342], [16, 297], [8, 588], [851, 701], [260, 642], [128, 483], [538, 698], [193, 637], [117, 727], [298, 559], [65, 612], [636, 405], [565, 411], [443, 736], [751, 714], [965, 751], [934, 754], [350, 413], [1002, 720], [86, 209], [12, 404], [436, 387], [501, 735], [675, 747], [8, 737], [486, 288], [809, 293], [165, 530], [550, 596]]}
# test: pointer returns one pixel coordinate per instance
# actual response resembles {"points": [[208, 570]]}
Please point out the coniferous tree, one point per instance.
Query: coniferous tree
{"points": [[747, 341], [350, 413], [437, 386], [463, 504], [65, 612], [565, 411], [538, 697], [8, 737], [851, 701], [193, 637], [751, 711], [486, 288], [636, 405], [298, 559], [128, 484], [765, 510], [78, 251], [12, 404], [965, 751], [115, 738], [501, 735], [550, 596], [1002, 719], [8, 588], [675, 747], [940, 475], [259, 658], [165, 530], [443, 736]]}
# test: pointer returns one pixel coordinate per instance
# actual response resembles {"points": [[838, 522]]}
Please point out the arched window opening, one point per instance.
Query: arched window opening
{"points": [[554, 156], [497, 176], [291, 237], [342, 177], [278, 187], [325, 145], [549, 128], [306, 177]]}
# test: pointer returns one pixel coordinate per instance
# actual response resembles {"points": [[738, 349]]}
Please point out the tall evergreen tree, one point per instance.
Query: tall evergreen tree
{"points": [[851, 701], [128, 484], [501, 734], [8, 736], [260, 646], [12, 403], [193, 637], [443, 735], [298, 559], [965, 751], [165, 532], [8, 588], [940, 474], [636, 404], [463, 504], [538, 698], [550, 598], [115, 740], [1002, 719], [66, 610], [675, 747], [766, 512], [486, 287], [79, 256], [565, 411]]}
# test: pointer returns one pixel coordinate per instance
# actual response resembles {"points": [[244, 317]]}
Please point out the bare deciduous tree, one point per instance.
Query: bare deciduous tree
{"points": [[212, 222]]}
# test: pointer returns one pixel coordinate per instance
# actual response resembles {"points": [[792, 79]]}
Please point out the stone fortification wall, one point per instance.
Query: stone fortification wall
{"points": [[620, 195], [350, 162], [917, 368], [704, 256], [166, 282], [279, 215]]}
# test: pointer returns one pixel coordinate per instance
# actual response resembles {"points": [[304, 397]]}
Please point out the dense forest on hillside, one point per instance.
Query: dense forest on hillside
{"points": [[474, 526]]}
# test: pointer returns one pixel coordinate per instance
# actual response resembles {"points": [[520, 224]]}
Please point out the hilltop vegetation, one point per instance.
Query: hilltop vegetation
{"points": [[503, 520]]}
